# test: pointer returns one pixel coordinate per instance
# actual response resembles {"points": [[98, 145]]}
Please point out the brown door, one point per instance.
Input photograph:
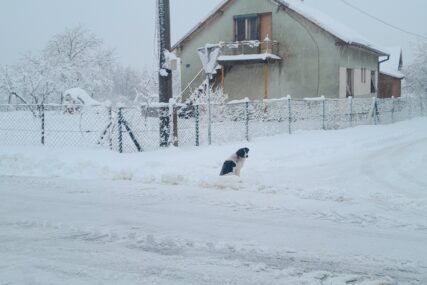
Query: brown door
{"points": [[265, 30]]}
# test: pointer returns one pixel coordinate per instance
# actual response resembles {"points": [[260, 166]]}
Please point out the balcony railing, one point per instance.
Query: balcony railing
{"points": [[249, 51], [250, 47]]}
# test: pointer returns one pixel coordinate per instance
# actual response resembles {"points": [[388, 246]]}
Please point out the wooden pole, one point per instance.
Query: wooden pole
{"points": [[222, 77], [165, 76], [265, 81]]}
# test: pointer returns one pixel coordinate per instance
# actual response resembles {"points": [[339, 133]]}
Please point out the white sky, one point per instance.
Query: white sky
{"points": [[128, 26]]}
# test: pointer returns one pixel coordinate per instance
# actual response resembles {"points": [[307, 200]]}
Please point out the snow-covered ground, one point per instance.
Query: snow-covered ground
{"points": [[334, 207]]}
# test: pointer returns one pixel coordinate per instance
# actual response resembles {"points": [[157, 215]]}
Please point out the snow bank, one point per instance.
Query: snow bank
{"points": [[271, 156]]}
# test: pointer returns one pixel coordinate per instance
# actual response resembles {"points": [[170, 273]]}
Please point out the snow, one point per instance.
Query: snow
{"points": [[80, 96], [321, 98], [208, 56], [239, 101], [243, 57], [171, 60], [335, 207], [163, 72]]}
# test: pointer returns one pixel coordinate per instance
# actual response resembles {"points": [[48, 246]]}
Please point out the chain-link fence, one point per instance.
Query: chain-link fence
{"points": [[130, 129]]}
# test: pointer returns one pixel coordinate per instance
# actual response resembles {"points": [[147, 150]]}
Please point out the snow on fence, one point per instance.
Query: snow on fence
{"points": [[130, 129]]}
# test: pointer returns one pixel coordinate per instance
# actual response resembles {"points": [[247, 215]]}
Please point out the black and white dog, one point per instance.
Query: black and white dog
{"points": [[234, 164]]}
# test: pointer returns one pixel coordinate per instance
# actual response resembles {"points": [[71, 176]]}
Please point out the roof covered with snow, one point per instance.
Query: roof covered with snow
{"points": [[80, 96], [393, 66], [331, 25], [320, 19]]}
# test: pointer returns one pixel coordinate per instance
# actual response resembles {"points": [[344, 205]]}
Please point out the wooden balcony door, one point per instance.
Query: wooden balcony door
{"points": [[266, 30]]}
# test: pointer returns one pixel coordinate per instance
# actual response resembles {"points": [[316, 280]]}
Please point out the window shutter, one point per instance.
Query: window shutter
{"points": [[253, 28], [240, 29]]}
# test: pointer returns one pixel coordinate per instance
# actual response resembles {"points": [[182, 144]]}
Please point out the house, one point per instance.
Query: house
{"points": [[391, 76], [272, 48]]}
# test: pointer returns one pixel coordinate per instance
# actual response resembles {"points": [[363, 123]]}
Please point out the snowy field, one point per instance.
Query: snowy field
{"points": [[335, 207]]}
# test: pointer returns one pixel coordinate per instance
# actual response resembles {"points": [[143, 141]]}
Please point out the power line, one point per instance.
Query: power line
{"points": [[382, 21]]}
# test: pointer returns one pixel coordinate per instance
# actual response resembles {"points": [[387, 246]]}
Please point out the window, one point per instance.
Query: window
{"points": [[246, 27], [363, 77], [373, 82]]}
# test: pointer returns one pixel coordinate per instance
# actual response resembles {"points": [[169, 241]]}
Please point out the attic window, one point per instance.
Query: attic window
{"points": [[246, 27]]}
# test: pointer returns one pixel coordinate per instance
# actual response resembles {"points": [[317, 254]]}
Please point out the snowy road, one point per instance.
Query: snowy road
{"points": [[123, 232], [344, 207]]}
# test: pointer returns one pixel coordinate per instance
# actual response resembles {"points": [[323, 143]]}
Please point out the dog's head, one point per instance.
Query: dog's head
{"points": [[243, 152]]}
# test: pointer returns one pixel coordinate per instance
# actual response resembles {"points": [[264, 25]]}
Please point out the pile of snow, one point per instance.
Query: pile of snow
{"points": [[79, 96]]}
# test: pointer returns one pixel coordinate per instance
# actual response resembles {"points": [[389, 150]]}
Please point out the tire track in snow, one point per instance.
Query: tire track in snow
{"points": [[396, 154], [250, 256]]}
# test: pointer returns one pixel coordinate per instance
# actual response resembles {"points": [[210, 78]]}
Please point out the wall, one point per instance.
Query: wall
{"points": [[356, 59], [389, 86]]}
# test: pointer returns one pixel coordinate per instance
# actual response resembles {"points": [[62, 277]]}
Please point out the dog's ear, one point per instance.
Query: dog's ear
{"points": [[243, 152]]}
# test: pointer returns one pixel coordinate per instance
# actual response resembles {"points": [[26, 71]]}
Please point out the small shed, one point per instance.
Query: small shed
{"points": [[76, 98], [390, 77]]}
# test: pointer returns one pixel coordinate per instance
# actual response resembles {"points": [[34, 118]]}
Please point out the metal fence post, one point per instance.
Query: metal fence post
{"points": [[290, 115], [42, 124], [247, 119], [120, 122], [392, 109], [209, 113], [173, 110], [374, 110], [323, 113], [110, 119], [197, 125], [351, 110]]}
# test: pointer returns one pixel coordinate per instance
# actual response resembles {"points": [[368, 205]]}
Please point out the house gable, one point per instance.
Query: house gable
{"points": [[319, 19], [311, 56]]}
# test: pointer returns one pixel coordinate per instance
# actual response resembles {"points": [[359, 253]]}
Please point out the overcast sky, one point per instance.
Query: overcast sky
{"points": [[128, 26]]}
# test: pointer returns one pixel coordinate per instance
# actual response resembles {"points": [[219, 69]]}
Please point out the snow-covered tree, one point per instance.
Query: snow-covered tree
{"points": [[30, 81], [148, 89], [416, 73], [201, 95], [74, 58], [80, 60]]}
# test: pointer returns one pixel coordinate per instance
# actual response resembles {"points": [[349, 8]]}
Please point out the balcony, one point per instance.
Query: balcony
{"points": [[249, 51]]}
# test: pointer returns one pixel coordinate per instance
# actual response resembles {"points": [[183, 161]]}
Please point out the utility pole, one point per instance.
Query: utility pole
{"points": [[165, 75]]}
